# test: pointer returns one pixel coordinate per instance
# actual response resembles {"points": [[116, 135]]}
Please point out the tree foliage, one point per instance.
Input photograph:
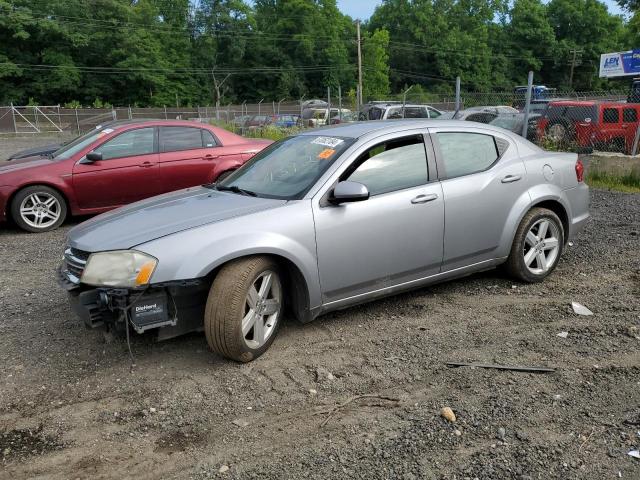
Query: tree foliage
{"points": [[168, 52]]}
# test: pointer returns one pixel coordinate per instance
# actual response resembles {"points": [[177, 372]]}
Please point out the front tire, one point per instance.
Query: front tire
{"points": [[38, 209], [244, 308], [537, 246]]}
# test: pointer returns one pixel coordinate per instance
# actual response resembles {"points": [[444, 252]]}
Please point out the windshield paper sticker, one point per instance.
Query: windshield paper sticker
{"points": [[327, 141], [326, 153]]}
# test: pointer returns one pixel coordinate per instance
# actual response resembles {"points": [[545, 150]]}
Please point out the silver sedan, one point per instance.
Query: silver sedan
{"points": [[321, 221]]}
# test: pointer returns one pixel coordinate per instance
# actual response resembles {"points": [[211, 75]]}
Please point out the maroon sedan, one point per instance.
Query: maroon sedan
{"points": [[116, 164]]}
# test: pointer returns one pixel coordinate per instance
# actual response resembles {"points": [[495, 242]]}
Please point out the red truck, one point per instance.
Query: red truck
{"points": [[610, 125]]}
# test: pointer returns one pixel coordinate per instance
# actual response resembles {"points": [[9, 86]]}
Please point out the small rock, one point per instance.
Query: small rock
{"points": [[557, 397], [634, 453], [313, 391], [223, 469], [522, 435], [502, 433], [563, 334], [323, 374], [580, 309], [448, 414], [239, 422], [152, 410], [457, 433]]}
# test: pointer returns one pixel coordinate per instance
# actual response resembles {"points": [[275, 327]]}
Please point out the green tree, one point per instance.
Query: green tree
{"points": [[375, 65], [585, 25]]}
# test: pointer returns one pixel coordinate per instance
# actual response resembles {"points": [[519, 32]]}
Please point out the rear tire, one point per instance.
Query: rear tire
{"points": [[537, 246], [244, 308], [38, 209]]}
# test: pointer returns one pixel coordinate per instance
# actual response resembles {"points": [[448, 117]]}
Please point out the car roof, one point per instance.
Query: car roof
{"points": [[153, 122], [361, 129]]}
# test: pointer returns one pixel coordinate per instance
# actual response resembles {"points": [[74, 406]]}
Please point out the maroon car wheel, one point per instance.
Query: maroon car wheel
{"points": [[38, 209]]}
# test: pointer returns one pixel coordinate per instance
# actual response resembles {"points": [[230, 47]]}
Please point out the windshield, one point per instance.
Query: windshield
{"points": [[507, 123], [289, 168], [73, 147]]}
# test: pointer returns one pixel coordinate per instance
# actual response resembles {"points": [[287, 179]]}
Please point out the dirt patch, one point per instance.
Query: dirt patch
{"points": [[22, 444], [172, 415]]}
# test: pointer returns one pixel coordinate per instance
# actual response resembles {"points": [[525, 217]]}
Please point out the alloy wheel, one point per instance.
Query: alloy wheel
{"points": [[40, 210], [263, 305], [541, 246]]}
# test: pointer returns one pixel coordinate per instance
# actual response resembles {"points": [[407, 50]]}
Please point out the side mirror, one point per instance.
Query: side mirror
{"points": [[92, 157], [347, 191]]}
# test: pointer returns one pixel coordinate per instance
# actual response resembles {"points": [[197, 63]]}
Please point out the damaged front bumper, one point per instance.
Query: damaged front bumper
{"points": [[171, 309]]}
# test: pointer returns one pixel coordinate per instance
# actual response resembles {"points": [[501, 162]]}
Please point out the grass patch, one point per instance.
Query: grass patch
{"points": [[628, 183]]}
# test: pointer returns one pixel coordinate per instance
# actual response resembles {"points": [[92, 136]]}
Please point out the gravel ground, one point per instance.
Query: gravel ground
{"points": [[73, 406]]}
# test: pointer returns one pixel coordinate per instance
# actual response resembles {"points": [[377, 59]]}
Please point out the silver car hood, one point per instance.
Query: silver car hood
{"points": [[163, 215]]}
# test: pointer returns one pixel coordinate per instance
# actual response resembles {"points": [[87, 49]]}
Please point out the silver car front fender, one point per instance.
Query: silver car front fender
{"points": [[286, 232]]}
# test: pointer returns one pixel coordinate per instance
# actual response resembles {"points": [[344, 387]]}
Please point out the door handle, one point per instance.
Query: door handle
{"points": [[146, 165], [511, 178], [424, 198], [208, 156]]}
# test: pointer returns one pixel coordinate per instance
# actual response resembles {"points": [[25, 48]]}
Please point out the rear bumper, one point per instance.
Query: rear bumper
{"points": [[578, 198]]}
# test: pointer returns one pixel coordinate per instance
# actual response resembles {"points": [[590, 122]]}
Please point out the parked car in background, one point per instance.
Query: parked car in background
{"points": [[514, 122], [591, 124], [497, 109], [241, 120], [470, 115], [278, 120], [118, 164], [538, 92], [316, 117], [295, 228], [343, 117], [394, 110], [314, 103]]}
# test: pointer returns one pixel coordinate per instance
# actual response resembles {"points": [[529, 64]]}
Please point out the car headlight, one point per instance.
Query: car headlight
{"points": [[124, 268]]}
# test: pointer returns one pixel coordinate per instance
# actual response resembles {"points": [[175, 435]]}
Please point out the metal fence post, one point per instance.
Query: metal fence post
{"points": [[260, 106], [13, 118], [636, 138], [77, 121], [457, 94], [328, 120], [527, 104], [301, 103], [340, 103], [130, 113]]}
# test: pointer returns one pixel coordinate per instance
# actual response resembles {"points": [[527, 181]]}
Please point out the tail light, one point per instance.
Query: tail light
{"points": [[579, 171]]}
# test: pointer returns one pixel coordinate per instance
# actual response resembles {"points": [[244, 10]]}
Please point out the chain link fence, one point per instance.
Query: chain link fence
{"points": [[576, 121]]}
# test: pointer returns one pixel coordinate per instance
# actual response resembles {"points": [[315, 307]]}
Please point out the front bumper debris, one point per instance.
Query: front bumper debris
{"points": [[171, 308]]}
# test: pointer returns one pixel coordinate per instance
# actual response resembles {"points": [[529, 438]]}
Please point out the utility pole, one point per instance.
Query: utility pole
{"points": [[359, 99], [574, 63]]}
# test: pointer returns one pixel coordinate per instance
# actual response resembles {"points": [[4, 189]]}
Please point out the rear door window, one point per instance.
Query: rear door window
{"points": [[465, 153], [610, 115], [629, 115], [173, 139]]}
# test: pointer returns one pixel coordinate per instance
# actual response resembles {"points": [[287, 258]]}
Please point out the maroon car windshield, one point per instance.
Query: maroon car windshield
{"points": [[71, 148]]}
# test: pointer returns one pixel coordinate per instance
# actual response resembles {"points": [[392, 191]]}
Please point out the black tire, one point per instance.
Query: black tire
{"points": [[28, 222], [227, 305], [515, 264], [560, 131], [224, 175]]}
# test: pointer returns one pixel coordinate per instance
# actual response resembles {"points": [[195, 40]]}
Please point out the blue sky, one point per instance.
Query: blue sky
{"points": [[364, 8]]}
